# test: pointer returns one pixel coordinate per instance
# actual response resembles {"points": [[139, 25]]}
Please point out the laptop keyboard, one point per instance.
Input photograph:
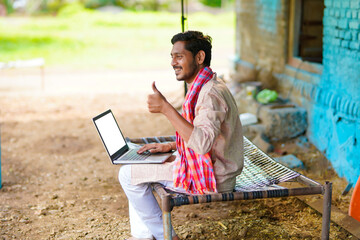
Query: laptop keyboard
{"points": [[133, 155]]}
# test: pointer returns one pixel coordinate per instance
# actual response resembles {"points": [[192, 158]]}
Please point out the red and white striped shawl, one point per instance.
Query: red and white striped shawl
{"points": [[194, 172]]}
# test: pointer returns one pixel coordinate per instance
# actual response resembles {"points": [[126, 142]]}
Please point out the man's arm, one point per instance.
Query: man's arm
{"points": [[157, 103], [200, 135]]}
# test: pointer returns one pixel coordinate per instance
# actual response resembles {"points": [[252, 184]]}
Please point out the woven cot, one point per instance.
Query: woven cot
{"points": [[259, 179]]}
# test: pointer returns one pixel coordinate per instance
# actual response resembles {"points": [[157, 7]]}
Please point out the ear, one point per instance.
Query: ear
{"points": [[200, 57]]}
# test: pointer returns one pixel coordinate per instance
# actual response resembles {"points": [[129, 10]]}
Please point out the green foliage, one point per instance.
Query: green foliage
{"points": [[18, 44], [21, 46], [211, 3], [138, 20], [8, 5], [72, 9], [137, 5], [54, 5], [150, 5], [87, 39], [98, 3]]}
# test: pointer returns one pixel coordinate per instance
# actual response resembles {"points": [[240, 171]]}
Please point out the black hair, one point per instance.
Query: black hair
{"points": [[194, 42]]}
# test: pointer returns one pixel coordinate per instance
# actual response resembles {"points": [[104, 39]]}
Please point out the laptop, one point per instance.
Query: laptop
{"points": [[116, 145]]}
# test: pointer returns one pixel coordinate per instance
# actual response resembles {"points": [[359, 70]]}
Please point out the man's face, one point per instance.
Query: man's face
{"points": [[183, 62]]}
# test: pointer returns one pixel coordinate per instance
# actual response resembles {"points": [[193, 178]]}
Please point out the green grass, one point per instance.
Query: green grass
{"points": [[90, 39]]}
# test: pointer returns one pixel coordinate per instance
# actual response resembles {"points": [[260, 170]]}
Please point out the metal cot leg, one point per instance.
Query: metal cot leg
{"points": [[325, 232], [166, 210], [167, 225]]}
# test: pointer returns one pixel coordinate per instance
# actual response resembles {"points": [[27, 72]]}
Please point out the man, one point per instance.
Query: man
{"points": [[209, 142]]}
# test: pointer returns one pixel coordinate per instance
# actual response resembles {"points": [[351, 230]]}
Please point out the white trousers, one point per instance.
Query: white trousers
{"points": [[144, 211]]}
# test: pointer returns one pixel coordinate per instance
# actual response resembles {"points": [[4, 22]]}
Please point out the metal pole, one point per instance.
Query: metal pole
{"points": [[325, 232], [183, 18], [167, 225], [166, 208]]}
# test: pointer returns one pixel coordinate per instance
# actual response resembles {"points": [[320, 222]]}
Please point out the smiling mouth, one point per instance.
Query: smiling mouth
{"points": [[177, 69]]}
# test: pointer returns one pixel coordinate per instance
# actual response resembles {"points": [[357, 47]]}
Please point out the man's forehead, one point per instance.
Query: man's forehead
{"points": [[179, 48]]}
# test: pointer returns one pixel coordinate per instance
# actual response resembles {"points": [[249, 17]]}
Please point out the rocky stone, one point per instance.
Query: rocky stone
{"points": [[283, 121], [290, 161]]}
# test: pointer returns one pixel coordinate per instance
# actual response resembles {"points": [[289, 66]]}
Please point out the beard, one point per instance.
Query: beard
{"points": [[189, 74]]}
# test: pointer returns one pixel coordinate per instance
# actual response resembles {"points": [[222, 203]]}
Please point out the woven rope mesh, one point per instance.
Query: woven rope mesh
{"points": [[260, 170]]}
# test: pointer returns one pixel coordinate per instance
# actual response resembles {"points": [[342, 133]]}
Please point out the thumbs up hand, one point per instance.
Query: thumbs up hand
{"points": [[156, 101]]}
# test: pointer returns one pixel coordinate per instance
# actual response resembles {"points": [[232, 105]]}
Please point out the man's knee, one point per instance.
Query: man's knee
{"points": [[125, 175]]}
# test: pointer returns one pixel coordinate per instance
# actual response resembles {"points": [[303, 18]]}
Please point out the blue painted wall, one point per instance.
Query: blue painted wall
{"points": [[335, 116], [267, 14]]}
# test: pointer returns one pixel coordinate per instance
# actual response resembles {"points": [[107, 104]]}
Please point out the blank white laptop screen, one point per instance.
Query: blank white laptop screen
{"points": [[116, 145], [110, 133]]}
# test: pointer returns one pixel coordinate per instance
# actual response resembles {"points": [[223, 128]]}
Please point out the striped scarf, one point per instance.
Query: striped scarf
{"points": [[194, 172]]}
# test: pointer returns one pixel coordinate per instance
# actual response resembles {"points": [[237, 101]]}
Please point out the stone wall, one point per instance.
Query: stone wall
{"points": [[261, 33]]}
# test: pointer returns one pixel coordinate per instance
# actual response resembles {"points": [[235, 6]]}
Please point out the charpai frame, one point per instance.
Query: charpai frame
{"points": [[260, 178]]}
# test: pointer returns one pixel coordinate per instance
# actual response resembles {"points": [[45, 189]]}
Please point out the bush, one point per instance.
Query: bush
{"points": [[71, 9], [211, 3], [8, 5], [54, 5], [99, 3], [151, 5]]}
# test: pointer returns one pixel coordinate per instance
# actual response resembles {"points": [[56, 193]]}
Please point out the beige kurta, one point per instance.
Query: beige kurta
{"points": [[217, 129]]}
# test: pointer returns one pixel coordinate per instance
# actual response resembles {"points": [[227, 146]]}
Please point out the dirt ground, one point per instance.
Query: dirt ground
{"points": [[59, 184]]}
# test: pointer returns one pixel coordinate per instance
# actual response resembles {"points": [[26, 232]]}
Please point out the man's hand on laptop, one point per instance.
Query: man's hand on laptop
{"points": [[156, 148]]}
